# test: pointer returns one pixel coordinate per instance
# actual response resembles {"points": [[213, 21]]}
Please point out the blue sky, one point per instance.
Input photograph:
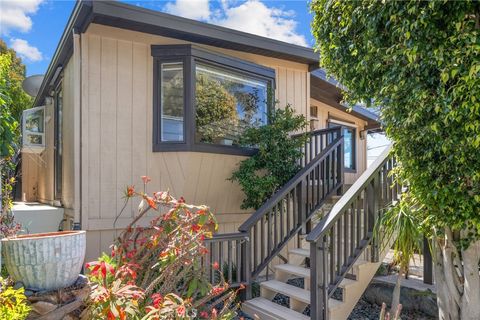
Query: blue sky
{"points": [[34, 27]]}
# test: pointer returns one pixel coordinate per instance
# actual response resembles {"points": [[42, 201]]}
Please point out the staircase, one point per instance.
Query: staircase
{"points": [[336, 259], [340, 305]]}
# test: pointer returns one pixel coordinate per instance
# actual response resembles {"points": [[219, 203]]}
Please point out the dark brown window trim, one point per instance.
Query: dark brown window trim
{"points": [[189, 54]]}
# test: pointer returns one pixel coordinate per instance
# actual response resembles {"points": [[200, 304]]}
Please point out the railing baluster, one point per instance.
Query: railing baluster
{"points": [[346, 238], [269, 231], [255, 244], [339, 247], [333, 257], [220, 257], [238, 252], [359, 204], [282, 218], [327, 170], [353, 223], [262, 243], [288, 212], [275, 225]]}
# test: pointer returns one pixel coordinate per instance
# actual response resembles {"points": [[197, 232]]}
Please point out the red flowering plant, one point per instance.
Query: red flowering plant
{"points": [[156, 272]]}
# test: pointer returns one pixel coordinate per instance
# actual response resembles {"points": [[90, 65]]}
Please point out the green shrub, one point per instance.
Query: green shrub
{"points": [[13, 304], [276, 162]]}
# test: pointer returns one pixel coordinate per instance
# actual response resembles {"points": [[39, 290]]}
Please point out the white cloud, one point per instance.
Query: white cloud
{"points": [[192, 9], [25, 50], [255, 17], [251, 16], [15, 15]]}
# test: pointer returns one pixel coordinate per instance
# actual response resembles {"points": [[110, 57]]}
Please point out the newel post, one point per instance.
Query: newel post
{"points": [[246, 267], [318, 280]]}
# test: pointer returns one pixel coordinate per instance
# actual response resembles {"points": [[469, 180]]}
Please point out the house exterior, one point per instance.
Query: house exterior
{"points": [[121, 99]]}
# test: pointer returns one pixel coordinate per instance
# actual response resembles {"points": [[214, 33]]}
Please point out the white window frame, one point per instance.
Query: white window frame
{"points": [[30, 147]]}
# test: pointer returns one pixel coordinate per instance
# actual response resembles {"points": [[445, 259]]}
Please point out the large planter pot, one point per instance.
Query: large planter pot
{"points": [[45, 261]]}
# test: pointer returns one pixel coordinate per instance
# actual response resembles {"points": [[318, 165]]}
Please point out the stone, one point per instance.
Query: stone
{"points": [[18, 285], [29, 293], [411, 299], [42, 307]]}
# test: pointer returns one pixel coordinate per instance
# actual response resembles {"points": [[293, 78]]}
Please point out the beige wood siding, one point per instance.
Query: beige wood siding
{"points": [[38, 169], [117, 84], [31, 164], [326, 112], [44, 160]]}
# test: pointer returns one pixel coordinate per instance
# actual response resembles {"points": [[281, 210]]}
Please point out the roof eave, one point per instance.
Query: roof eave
{"points": [[134, 18]]}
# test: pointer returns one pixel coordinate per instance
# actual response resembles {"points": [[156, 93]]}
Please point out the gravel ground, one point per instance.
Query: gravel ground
{"points": [[362, 311]]}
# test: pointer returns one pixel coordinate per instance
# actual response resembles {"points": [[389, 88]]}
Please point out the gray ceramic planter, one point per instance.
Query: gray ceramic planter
{"points": [[45, 261]]}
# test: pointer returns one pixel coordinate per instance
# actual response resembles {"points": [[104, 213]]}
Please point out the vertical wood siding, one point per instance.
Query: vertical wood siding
{"points": [[117, 85]]}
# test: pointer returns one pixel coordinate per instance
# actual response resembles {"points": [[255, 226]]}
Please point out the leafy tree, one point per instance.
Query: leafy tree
{"points": [[15, 76], [399, 225], [276, 162], [421, 62], [8, 124]]}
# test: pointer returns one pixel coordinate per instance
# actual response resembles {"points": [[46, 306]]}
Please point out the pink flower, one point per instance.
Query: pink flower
{"points": [[146, 179], [181, 311]]}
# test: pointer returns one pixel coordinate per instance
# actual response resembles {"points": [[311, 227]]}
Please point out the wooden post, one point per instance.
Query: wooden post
{"points": [[318, 283], [246, 267], [427, 262]]}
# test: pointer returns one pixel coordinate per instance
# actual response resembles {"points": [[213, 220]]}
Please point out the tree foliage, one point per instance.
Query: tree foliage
{"points": [[14, 77], [421, 62], [8, 124], [277, 159]]}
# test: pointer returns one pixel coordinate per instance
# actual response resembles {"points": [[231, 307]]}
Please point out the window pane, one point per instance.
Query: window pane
{"points": [[227, 103], [34, 139], [34, 121], [172, 109], [348, 147]]}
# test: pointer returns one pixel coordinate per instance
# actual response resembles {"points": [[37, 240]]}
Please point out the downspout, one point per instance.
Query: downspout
{"points": [[77, 94]]}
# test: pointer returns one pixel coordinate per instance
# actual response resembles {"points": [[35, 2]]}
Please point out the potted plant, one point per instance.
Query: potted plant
{"points": [[45, 261]]}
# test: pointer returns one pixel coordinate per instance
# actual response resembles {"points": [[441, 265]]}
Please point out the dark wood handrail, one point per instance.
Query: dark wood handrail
{"points": [[287, 212], [257, 215], [339, 208], [343, 235]]}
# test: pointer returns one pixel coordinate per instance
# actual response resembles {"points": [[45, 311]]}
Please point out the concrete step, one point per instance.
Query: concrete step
{"points": [[263, 309]]}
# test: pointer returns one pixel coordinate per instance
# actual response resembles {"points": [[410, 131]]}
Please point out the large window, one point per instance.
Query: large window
{"points": [[348, 144], [204, 101]]}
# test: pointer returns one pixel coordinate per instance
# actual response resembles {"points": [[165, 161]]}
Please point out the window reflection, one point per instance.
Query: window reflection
{"points": [[227, 103]]}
